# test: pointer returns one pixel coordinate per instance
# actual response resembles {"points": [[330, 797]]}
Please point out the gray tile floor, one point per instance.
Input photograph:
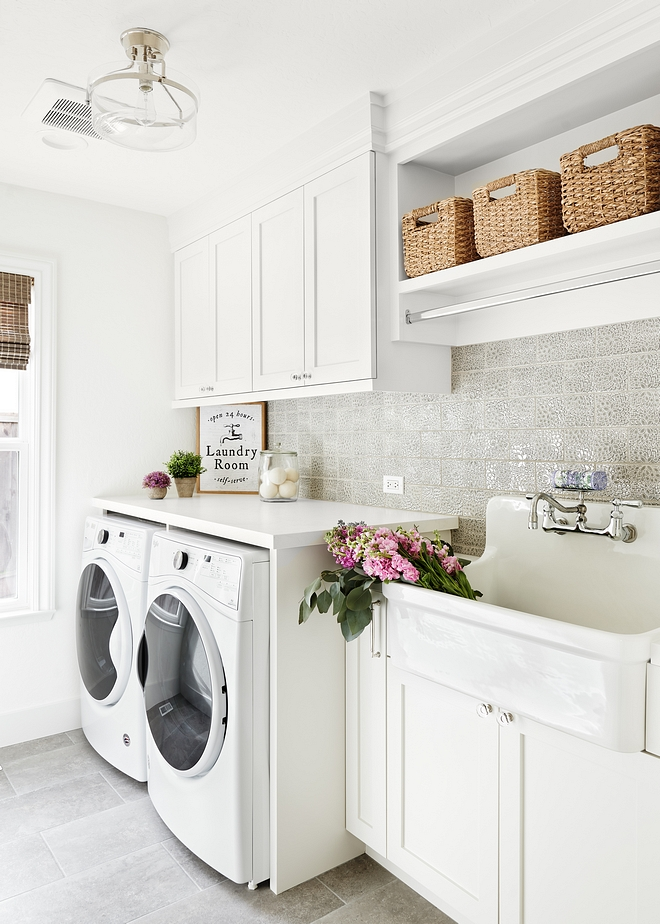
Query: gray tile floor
{"points": [[80, 843]]}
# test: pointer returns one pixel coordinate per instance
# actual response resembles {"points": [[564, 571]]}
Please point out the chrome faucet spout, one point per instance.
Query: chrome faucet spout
{"points": [[533, 521]]}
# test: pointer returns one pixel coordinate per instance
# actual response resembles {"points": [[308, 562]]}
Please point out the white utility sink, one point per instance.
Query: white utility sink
{"points": [[563, 631]]}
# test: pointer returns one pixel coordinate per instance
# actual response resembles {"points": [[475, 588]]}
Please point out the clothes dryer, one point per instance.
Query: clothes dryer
{"points": [[205, 648], [112, 598]]}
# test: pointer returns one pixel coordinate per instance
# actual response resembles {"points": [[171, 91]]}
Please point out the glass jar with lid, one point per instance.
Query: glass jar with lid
{"points": [[279, 477]]}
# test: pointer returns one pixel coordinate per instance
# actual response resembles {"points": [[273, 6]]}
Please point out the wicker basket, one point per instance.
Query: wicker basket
{"points": [[621, 188], [529, 215], [431, 246]]}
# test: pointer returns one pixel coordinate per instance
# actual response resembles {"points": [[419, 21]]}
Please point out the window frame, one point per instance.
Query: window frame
{"points": [[36, 445]]}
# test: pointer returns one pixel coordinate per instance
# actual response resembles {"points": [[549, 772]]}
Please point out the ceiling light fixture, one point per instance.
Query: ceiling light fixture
{"points": [[138, 105]]}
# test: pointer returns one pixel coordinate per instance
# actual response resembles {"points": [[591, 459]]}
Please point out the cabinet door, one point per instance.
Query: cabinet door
{"points": [[339, 274], [278, 292], [366, 735], [194, 332], [442, 794], [579, 830], [231, 260]]}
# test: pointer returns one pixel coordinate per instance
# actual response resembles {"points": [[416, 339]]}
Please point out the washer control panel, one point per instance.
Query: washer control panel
{"points": [[220, 575], [216, 573], [123, 543]]}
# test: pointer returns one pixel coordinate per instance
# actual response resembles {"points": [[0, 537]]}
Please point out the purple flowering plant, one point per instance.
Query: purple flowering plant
{"points": [[156, 480], [368, 557]]}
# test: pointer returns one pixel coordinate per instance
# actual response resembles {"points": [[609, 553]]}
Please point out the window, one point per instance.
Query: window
{"points": [[26, 458]]}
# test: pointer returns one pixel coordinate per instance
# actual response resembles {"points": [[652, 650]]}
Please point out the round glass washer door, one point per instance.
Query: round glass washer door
{"points": [[103, 633], [185, 688]]}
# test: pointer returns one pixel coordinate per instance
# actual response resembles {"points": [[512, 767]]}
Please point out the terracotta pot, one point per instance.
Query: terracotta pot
{"points": [[185, 486], [157, 493]]}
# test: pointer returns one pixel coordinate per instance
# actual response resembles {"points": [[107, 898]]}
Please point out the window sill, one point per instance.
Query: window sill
{"points": [[15, 617]]}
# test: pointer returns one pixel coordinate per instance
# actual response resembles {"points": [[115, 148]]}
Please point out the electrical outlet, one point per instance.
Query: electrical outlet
{"points": [[393, 484]]}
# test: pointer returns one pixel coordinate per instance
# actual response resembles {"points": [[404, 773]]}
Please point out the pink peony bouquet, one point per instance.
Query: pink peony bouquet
{"points": [[370, 556]]}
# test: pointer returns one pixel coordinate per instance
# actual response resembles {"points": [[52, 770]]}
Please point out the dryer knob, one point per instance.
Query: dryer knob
{"points": [[180, 560], [103, 536]]}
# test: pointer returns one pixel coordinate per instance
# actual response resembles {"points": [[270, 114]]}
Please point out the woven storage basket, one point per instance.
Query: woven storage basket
{"points": [[529, 215], [621, 188], [431, 246]]}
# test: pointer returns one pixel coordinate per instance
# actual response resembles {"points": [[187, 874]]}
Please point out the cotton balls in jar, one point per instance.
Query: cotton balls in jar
{"points": [[279, 477]]}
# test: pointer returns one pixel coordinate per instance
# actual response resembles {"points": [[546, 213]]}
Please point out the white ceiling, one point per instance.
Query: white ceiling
{"points": [[267, 71]]}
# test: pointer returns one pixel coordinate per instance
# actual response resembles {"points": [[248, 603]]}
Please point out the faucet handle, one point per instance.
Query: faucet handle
{"points": [[626, 503]]}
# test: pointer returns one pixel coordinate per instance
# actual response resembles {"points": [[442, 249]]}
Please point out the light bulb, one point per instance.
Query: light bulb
{"points": [[146, 109]]}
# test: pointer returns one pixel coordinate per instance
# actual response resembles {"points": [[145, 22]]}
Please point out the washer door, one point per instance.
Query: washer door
{"points": [[103, 633], [185, 689]]}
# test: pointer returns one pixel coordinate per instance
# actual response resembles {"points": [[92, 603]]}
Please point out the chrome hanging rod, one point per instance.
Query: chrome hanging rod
{"points": [[413, 317]]}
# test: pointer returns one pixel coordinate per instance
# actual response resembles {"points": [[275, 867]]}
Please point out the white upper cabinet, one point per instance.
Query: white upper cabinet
{"points": [[213, 336], [313, 285], [194, 333], [278, 292], [283, 298], [231, 263], [339, 267]]}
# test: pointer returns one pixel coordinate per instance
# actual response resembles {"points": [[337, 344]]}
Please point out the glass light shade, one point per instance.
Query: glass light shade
{"points": [[143, 111]]}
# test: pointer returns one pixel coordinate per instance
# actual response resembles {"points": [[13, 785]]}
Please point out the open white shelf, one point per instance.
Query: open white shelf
{"points": [[487, 298]]}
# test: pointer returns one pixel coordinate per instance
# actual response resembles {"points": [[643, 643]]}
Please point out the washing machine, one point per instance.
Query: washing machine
{"points": [[112, 602], [205, 657]]}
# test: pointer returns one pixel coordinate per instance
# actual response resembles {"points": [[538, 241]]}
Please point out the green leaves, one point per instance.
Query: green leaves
{"points": [[348, 592]]}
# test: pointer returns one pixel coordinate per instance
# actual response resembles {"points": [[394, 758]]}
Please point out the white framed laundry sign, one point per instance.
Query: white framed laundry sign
{"points": [[229, 440]]}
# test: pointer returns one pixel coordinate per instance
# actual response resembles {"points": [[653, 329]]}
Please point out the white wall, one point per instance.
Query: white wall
{"points": [[114, 422]]}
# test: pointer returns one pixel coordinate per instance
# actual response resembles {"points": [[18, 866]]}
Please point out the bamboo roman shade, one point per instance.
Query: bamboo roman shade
{"points": [[15, 295]]}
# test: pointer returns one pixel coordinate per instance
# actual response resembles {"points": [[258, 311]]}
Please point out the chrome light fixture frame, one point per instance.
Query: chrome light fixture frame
{"points": [[147, 48]]}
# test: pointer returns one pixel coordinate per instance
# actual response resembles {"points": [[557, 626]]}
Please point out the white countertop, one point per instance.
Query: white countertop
{"points": [[245, 518]]}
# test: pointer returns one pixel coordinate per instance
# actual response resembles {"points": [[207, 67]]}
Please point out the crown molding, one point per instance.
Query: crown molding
{"points": [[444, 104]]}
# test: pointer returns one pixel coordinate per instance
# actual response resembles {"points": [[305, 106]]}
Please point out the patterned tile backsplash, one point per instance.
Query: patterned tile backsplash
{"points": [[519, 409]]}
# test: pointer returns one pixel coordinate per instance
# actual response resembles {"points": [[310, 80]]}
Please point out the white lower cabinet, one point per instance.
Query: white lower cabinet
{"points": [[442, 813], [579, 830], [499, 823], [366, 735]]}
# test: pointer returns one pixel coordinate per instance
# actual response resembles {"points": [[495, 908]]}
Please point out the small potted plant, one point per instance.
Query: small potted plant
{"points": [[158, 483], [185, 467]]}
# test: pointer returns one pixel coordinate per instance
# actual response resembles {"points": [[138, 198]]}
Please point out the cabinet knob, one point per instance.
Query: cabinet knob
{"points": [[307, 375], [295, 376], [505, 718], [484, 710]]}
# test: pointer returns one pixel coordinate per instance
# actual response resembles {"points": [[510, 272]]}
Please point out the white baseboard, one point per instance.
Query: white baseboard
{"points": [[39, 721]]}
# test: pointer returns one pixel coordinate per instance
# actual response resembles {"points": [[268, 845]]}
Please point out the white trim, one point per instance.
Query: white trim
{"points": [[18, 617], [451, 109], [38, 721], [37, 544]]}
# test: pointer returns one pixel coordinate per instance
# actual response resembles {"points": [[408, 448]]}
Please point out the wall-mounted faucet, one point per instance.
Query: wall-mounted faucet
{"points": [[582, 481], [616, 529]]}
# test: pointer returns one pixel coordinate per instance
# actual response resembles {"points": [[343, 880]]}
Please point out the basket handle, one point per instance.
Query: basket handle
{"points": [[423, 211], [500, 184], [595, 146]]}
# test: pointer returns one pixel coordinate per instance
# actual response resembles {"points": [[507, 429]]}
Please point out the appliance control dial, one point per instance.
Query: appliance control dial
{"points": [[180, 560], [103, 536]]}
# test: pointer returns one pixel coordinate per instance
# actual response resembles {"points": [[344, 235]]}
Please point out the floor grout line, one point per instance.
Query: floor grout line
{"points": [[332, 892], [50, 850], [125, 801], [162, 844]]}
